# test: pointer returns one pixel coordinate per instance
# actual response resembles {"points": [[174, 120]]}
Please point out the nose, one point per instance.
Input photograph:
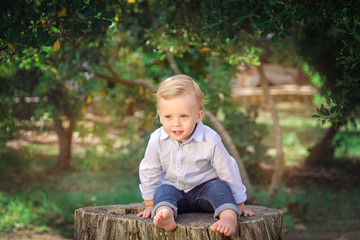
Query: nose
{"points": [[176, 122]]}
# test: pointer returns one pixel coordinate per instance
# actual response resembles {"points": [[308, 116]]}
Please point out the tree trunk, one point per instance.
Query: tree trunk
{"points": [[120, 222], [64, 134], [323, 149], [279, 158]]}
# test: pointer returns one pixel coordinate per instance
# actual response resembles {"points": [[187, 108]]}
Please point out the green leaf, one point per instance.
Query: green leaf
{"points": [[105, 23], [108, 15], [13, 35], [50, 41], [100, 7], [54, 29]]}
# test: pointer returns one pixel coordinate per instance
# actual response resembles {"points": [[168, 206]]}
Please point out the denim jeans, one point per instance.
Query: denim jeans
{"points": [[214, 195]]}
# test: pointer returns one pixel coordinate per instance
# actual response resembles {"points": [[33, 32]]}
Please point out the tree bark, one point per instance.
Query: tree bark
{"points": [[172, 63], [279, 158], [120, 222], [323, 149], [65, 141]]}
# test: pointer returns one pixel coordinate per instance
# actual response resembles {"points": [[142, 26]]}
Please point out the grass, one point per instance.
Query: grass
{"points": [[26, 210], [326, 213], [325, 208], [301, 132], [321, 207], [31, 199]]}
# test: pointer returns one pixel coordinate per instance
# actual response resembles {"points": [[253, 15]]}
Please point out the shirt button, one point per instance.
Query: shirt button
{"points": [[178, 169]]}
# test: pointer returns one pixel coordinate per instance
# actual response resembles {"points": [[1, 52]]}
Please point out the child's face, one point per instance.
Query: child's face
{"points": [[179, 116]]}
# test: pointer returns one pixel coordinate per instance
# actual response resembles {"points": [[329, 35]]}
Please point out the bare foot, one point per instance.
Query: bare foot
{"points": [[226, 224], [165, 218]]}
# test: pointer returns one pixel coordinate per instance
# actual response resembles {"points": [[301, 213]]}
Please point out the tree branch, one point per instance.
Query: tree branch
{"points": [[115, 78], [172, 63], [279, 158], [113, 57]]}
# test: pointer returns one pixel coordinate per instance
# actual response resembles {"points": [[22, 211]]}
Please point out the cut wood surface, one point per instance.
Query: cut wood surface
{"points": [[120, 222]]}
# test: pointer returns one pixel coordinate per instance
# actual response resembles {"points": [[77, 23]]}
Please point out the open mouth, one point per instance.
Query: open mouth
{"points": [[177, 132]]}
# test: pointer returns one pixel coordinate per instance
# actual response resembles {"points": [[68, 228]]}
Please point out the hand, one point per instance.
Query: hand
{"points": [[244, 211], [146, 213], [149, 206]]}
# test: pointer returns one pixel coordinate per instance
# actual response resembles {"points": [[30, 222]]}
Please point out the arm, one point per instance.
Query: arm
{"points": [[150, 175], [228, 171]]}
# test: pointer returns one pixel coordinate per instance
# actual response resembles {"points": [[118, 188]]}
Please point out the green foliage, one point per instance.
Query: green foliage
{"points": [[228, 18], [15, 103], [7, 124], [44, 95], [294, 151], [207, 39], [324, 34], [29, 26], [316, 207], [40, 202], [26, 211], [347, 144]]}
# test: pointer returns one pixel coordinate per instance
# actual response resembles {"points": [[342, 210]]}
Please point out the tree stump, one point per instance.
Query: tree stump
{"points": [[120, 222]]}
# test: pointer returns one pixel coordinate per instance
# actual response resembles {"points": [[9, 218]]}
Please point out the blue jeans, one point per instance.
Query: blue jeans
{"points": [[214, 195]]}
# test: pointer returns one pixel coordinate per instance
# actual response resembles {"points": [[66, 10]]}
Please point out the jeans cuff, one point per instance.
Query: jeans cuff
{"points": [[224, 207], [160, 204]]}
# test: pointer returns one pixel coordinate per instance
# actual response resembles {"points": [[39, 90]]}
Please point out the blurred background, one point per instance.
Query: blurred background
{"points": [[77, 78]]}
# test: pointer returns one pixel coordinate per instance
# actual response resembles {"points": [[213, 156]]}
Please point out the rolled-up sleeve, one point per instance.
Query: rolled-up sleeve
{"points": [[150, 171], [228, 170]]}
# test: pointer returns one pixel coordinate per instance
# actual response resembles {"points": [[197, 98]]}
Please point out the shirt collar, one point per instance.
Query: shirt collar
{"points": [[198, 134], [163, 134]]}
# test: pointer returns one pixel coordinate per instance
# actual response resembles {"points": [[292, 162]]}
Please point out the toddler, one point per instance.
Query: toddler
{"points": [[186, 167]]}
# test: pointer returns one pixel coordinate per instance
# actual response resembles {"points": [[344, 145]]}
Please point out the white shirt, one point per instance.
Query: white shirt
{"points": [[200, 158]]}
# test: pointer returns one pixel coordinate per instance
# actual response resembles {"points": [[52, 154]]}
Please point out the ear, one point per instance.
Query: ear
{"points": [[200, 116]]}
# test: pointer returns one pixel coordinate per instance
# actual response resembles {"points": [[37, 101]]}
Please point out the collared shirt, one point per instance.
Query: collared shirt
{"points": [[200, 158]]}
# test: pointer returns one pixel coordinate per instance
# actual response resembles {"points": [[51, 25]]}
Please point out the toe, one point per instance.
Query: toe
{"points": [[214, 227], [221, 228]]}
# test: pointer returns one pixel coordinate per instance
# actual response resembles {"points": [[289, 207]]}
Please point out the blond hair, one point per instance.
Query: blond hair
{"points": [[177, 85]]}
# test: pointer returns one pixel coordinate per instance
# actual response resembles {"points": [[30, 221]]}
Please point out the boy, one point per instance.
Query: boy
{"points": [[186, 167]]}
